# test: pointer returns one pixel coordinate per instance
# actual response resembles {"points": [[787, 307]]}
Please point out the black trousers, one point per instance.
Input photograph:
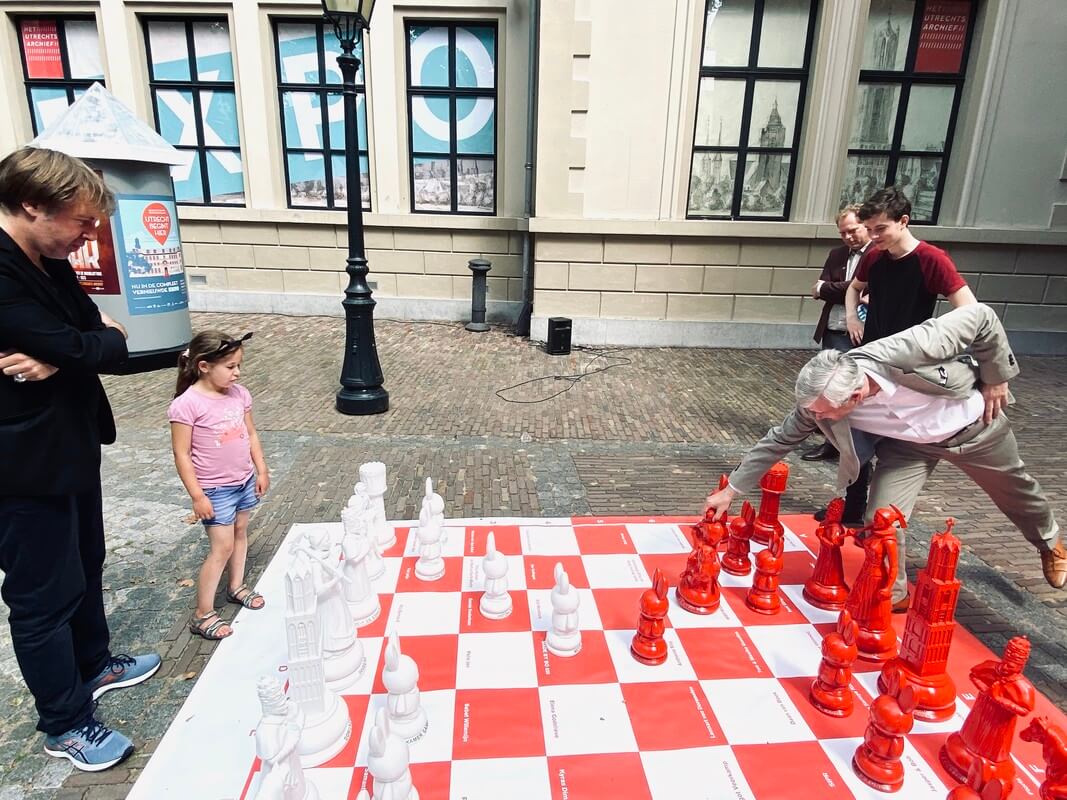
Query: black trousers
{"points": [[52, 556]]}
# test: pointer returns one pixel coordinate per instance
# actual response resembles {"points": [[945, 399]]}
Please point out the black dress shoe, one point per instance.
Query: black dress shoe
{"points": [[825, 452], [820, 515]]}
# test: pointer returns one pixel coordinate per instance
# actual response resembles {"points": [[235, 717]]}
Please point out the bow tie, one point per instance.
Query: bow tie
{"points": [[855, 252]]}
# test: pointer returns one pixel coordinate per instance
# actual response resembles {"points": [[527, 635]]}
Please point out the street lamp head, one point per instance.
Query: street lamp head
{"points": [[354, 13]]}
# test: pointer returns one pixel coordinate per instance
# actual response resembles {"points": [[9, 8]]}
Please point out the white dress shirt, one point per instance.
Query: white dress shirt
{"points": [[836, 320], [898, 412]]}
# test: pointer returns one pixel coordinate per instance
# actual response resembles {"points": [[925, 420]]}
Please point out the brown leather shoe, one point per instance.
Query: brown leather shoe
{"points": [[1054, 565]]}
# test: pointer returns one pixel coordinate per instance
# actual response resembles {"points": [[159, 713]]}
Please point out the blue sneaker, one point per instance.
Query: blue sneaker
{"points": [[122, 671], [90, 747]]}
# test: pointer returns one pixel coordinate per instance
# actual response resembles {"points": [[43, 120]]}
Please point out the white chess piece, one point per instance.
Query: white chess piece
{"points": [[495, 602], [342, 651], [354, 517], [435, 505], [429, 566], [564, 637], [363, 602], [407, 717], [277, 737], [372, 476], [388, 762]]}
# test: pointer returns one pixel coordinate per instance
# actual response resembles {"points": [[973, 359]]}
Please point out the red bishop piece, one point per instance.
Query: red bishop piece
{"points": [[1053, 741], [735, 560], [830, 691], [771, 487], [763, 596], [648, 645], [870, 601], [876, 762], [698, 587], [826, 588]]}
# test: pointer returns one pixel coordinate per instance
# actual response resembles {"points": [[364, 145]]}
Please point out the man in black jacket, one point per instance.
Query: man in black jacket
{"points": [[54, 415]]}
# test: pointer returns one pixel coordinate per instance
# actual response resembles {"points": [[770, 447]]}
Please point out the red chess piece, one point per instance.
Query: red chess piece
{"points": [[712, 530], [876, 762], [924, 647], [698, 588], [980, 784], [826, 588], [735, 560], [830, 691], [1003, 696], [763, 596], [771, 485], [870, 601], [1053, 741], [648, 646]]}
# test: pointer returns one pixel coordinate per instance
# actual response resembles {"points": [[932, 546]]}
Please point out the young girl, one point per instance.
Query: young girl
{"points": [[220, 461]]}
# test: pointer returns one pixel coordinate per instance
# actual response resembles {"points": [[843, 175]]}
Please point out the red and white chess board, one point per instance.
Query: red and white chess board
{"points": [[726, 716]]}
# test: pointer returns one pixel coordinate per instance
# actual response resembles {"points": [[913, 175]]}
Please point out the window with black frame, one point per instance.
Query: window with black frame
{"points": [[452, 87], [911, 77], [313, 115], [190, 74], [753, 79], [60, 60]]}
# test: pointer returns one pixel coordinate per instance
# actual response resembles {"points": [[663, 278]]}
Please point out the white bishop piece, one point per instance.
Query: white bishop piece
{"points": [[407, 717], [564, 637], [495, 602], [388, 762]]}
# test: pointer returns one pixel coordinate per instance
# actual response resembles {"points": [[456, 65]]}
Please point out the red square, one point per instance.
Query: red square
{"points": [[718, 653], [787, 614], [792, 769], [672, 715], [435, 656], [672, 564], [603, 539], [451, 582], [620, 609], [507, 539], [357, 712], [620, 776], [593, 663], [799, 564], [377, 628], [472, 621], [540, 571], [398, 546], [497, 723], [823, 725], [432, 779]]}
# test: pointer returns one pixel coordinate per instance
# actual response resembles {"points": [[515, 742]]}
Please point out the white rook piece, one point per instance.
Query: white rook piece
{"points": [[564, 638], [495, 602], [277, 739], [388, 762], [372, 476], [407, 717]]}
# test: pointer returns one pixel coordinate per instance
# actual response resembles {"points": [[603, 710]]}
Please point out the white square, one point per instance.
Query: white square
{"points": [[630, 670], [451, 541], [920, 779], [756, 711], [372, 651], [474, 577], [496, 661], [624, 571], [330, 782], [424, 613], [791, 651], [792, 542], [584, 719], [494, 778], [699, 773], [553, 540], [658, 538], [386, 582], [435, 744], [541, 610], [814, 614], [737, 581], [722, 617]]}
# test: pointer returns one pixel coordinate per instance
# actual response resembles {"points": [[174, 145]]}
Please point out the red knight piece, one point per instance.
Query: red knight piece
{"points": [[698, 587], [712, 530], [870, 601], [1053, 741], [648, 646], [928, 630], [1003, 696], [826, 588], [735, 560], [771, 485], [830, 692], [763, 596], [876, 762]]}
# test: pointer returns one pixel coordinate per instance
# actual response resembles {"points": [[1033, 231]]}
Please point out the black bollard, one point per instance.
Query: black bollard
{"points": [[479, 266]]}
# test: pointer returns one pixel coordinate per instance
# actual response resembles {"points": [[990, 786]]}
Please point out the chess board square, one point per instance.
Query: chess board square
{"points": [[672, 564], [789, 650], [798, 567], [581, 719], [435, 656], [474, 577], [594, 539], [738, 581], [540, 571], [541, 610], [659, 539], [424, 613], [674, 773], [823, 725], [334, 781], [717, 653], [792, 542], [616, 571], [795, 764], [620, 608], [787, 614], [795, 593], [472, 620], [671, 715], [620, 776], [356, 706], [453, 541], [722, 617], [372, 652], [431, 780], [921, 781], [377, 626], [756, 711], [403, 534], [451, 581], [494, 778], [435, 744], [497, 724], [592, 664], [630, 670], [507, 539], [548, 541], [495, 661], [386, 582]]}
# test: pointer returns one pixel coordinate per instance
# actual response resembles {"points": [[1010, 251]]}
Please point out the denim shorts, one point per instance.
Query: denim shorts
{"points": [[228, 500]]}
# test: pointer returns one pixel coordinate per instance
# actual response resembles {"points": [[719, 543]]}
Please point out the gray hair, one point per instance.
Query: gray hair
{"points": [[830, 374]]}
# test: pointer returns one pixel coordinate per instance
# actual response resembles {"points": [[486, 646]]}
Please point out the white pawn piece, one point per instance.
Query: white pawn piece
{"points": [[354, 517], [429, 566], [372, 476], [388, 762], [407, 717], [564, 638], [362, 600], [495, 602], [342, 652], [435, 504], [363, 795], [277, 736]]}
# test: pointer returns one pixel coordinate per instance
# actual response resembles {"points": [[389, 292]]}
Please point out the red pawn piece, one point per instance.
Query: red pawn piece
{"points": [[980, 785], [1053, 742], [763, 596], [1003, 696], [870, 601], [771, 486], [826, 588], [648, 646], [735, 560], [830, 692], [876, 762], [928, 630], [712, 530], [698, 588]]}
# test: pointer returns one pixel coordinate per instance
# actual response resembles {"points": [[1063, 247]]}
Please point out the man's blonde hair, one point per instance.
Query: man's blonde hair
{"points": [[852, 208], [51, 180]]}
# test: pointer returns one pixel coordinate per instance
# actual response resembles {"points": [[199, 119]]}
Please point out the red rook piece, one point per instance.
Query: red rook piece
{"points": [[877, 761], [648, 645], [1053, 742], [870, 601], [771, 487], [830, 692], [763, 596], [826, 588], [735, 560], [698, 588]]}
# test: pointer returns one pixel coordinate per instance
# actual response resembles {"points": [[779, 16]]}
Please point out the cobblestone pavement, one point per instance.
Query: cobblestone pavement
{"points": [[647, 434]]}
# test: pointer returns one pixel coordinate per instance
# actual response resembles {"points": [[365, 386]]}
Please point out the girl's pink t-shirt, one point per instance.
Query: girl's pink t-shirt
{"points": [[222, 455]]}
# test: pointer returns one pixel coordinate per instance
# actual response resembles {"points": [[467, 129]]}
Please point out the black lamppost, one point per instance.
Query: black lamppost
{"points": [[361, 375]]}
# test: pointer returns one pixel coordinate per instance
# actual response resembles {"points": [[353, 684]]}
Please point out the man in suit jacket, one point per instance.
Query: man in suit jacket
{"points": [[929, 403], [54, 415]]}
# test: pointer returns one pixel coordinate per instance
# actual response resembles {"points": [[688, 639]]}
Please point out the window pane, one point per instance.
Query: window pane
{"points": [[719, 109], [918, 179], [307, 179], [876, 114], [302, 119], [888, 31], [225, 176], [220, 119], [864, 175], [333, 49], [428, 50], [475, 125], [784, 33], [83, 49], [170, 51], [340, 182], [433, 184], [475, 177], [942, 35], [40, 46], [188, 185], [335, 111], [774, 113], [728, 34], [212, 42], [926, 125], [711, 187], [430, 124], [475, 57], [176, 122], [766, 182], [48, 104], [298, 55]]}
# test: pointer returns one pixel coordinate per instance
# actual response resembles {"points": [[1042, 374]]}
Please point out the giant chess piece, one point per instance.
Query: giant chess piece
{"points": [[407, 717], [711, 529], [924, 647], [363, 602], [564, 637], [763, 597], [648, 645], [277, 737], [831, 691], [354, 519], [735, 560], [388, 762], [1004, 695], [980, 784], [495, 602], [698, 587], [1053, 741], [870, 601], [372, 476], [826, 588], [435, 504], [876, 762], [429, 566], [771, 485]]}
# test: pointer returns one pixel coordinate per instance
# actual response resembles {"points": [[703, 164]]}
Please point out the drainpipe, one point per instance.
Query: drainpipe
{"points": [[522, 324]]}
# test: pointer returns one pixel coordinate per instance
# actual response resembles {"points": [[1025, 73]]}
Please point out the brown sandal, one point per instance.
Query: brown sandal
{"points": [[247, 599], [209, 632]]}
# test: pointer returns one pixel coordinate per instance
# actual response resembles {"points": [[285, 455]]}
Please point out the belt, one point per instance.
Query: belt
{"points": [[966, 427]]}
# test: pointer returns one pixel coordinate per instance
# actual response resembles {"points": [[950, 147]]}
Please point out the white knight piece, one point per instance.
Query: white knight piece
{"points": [[564, 637], [372, 476], [495, 602], [388, 762], [277, 739], [407, 717]]}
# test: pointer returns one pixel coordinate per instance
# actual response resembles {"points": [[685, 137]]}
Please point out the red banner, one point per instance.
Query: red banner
{"points": [[94, 263], [942, 36], [40, 43]]}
